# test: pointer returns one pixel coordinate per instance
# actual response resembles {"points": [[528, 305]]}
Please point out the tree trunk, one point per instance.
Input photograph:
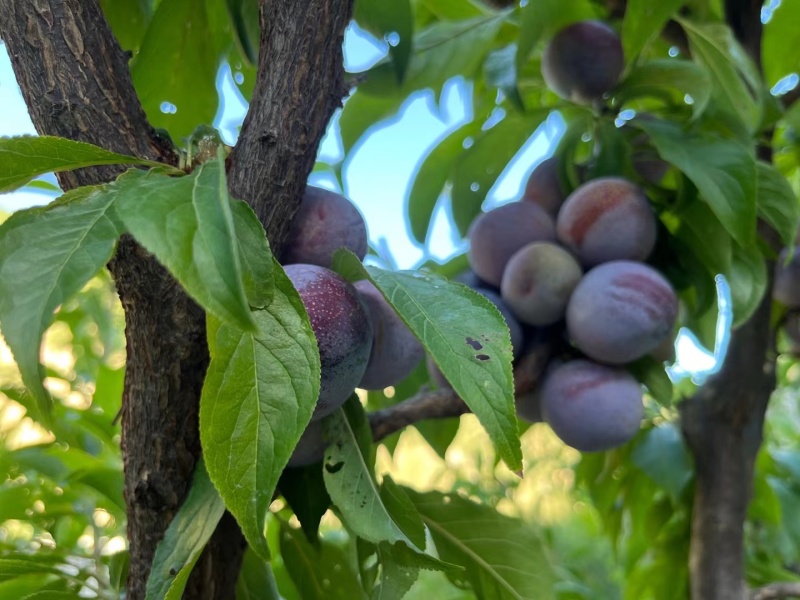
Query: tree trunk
{"points": [[76, 83]]}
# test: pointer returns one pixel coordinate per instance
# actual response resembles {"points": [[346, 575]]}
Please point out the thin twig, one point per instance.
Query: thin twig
{"points": [[776, 591]]}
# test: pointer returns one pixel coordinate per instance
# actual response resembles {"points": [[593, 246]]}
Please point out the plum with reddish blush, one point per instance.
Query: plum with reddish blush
{"points": [[607, 219], [621, 311], [343, 328], [592, 407]]}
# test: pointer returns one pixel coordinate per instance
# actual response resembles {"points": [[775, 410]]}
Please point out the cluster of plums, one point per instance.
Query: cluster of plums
{"points": [[549, 260], [544, 261], [361, 340]]}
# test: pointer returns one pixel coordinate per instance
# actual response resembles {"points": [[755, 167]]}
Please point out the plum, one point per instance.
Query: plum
{"points": [[607, 219], [592, 407], [395, 350], [583, 61], [343, 328], [529, 406], [621, 311], [325, 222], [786, 288], [310, 448], [538, 282], [544, 188], [496, 235]]}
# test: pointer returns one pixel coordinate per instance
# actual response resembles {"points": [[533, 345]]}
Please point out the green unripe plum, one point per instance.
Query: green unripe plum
{"points": [[592, 407], [395, 350], [621, 311], [496, 235], [325, 222], [538, 282], [583, 61], [343, 328], [607, 219], [544, 188]]}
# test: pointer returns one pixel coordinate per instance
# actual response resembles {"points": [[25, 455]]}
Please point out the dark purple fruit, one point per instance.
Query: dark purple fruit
{"points": [[343, 329], [325, 222]]}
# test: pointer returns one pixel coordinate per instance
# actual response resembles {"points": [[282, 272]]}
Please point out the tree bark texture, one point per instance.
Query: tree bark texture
{"points": [[76, 83]]}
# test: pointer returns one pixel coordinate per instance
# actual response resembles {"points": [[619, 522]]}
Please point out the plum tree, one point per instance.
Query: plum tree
{"points": [[310, 448], [538, 282], [607, 219], [496, 235], [544, 188], [395, 350], [583, 61], [592, 407], [325, 222], [787, 279], [621, 311], [343, 328]]}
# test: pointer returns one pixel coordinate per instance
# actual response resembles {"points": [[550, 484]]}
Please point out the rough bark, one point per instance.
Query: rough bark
{"points": [[75, 80], [300, 83]]}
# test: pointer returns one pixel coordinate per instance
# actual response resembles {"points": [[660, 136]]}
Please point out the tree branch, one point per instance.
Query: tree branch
{"points": [[445, 403], [776, 591]]}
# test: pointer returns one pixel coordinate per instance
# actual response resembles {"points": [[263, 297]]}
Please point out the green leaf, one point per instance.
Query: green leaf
{"points": [[256, 581], [441, 51], [47, 255], [663, 77], [542, 18], [780, 46], [50, 595], [706, 236], [662, 455], [431, 177], [128, 20], [723, 171], [177, 64], [188, 225], [304, 491], [395, 579], [244, 19], [349, 479], [452, 321], [385, 17], [500, 71], [16, 565], [777, 203], [258, 397], [747, 279], [24, 157], [643, 21], [322, 573], [254, 254], [403, 511], [502, 557], [737, 83], [185, 538], [481, 165]]}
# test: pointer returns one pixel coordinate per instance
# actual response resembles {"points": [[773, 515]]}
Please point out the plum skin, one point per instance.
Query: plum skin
{"points": [[496, 235], [592, 407], [544, 188], [325, 222], [538, 281], [621, 311], [395, 350], [310, 447], [343, 328], [607, 219], [583, 61]]}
